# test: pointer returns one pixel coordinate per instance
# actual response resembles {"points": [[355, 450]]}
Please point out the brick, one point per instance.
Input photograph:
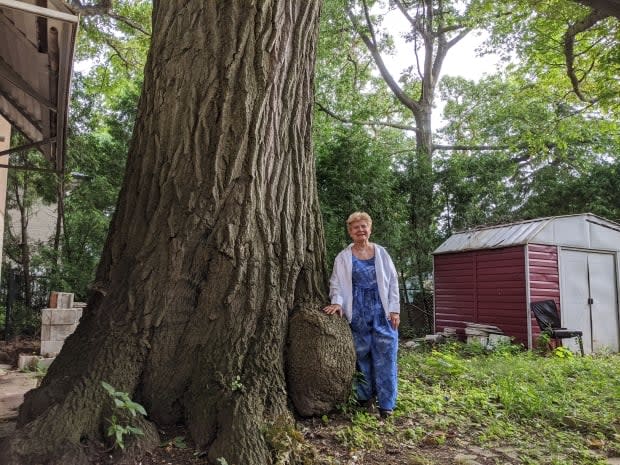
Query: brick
{"points": [[53, 299]]}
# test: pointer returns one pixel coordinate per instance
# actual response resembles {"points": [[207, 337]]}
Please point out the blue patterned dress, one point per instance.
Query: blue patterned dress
{"points": [[376, 342]]}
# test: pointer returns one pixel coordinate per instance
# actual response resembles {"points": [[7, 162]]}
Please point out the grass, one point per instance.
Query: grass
{"points": [[547, 410]]}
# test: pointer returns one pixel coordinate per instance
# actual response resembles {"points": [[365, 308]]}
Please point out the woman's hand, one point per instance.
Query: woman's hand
{"points": [[333, 308], [395, 319]]}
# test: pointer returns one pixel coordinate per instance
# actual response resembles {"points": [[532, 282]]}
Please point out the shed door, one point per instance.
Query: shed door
{"points": [[589, 299], [604, 302]]}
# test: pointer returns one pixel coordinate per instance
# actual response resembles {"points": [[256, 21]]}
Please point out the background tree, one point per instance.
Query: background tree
{"points": [[27, 192], [434, 29]]}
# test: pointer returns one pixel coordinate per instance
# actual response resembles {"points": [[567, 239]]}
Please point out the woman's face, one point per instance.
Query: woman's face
{"points": [[359, 230]]}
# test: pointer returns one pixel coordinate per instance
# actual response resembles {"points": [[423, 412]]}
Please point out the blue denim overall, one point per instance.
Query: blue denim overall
{"points": [[376, 342]]}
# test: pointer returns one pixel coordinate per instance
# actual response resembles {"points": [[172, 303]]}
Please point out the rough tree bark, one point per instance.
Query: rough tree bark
{"points": [[216, 241]]}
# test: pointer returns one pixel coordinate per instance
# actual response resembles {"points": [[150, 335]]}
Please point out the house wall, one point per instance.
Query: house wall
{"points": [[482, 286], [544, 277]]}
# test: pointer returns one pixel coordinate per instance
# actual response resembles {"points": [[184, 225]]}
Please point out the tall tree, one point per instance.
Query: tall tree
{"points": [[434, 27], [215, 242]]}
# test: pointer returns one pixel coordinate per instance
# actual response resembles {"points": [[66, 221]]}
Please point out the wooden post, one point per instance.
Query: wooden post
{"points": [[5, 143]]}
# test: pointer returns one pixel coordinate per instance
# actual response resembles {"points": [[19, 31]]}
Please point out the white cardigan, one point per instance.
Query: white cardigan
{"points": [[341, 285]]}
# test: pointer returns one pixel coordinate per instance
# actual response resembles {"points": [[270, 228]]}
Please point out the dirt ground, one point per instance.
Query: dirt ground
{"points": [[177, 449], [320, 436], [323, 436]]}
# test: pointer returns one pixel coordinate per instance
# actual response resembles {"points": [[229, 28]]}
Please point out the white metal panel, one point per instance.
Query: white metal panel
{"points": [[571, 231], [603, 234], [604, 307], [575, 292]]}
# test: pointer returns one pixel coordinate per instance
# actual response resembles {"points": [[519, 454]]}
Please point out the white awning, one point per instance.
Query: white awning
{"points": [[37, 40]]}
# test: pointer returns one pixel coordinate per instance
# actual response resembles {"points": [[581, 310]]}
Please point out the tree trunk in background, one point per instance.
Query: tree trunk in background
{"points": [[422, 203], [24, 246], [216, 240]]}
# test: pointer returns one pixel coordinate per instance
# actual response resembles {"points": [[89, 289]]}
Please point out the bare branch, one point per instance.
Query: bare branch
{"points": [[119, 54], [129, 23], [390, 81], [328, 112], [458, 37], [478, 148], [369, 23], [403, 10], [569, 49]]}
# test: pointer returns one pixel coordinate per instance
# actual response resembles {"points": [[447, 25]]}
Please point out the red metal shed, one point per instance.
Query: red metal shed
{"points": [[489, 275]]}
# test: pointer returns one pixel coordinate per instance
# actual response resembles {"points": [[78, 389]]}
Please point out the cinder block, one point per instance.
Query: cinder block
{"points": [[60, 316], [64, 316], [51, 348], [61, 300], [46, 332], [44, 363], [60, 332], [65, 300], [496, 339], [27, 362], [46, 316], [483, 340]]}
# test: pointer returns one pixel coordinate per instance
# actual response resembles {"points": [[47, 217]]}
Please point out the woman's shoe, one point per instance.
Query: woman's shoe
{"points": [[383, 413], [367, 403]]}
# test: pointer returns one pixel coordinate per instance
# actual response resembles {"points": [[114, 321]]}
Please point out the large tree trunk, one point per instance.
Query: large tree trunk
{"points": [[216, 240]]}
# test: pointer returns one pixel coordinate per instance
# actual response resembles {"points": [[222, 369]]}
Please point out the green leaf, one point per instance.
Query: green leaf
{"points": [[135, 430], [136, 407], [108, 388]]}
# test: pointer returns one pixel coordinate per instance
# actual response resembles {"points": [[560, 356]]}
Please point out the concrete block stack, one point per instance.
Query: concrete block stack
{"points": [[58, 322]]}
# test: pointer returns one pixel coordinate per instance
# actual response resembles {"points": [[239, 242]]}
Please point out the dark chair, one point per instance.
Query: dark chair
{"points": [[546, 314]]}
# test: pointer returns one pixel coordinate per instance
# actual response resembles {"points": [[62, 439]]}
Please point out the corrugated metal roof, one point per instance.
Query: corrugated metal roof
{"points": [[492, 237], [506, 234], [36, 56]]}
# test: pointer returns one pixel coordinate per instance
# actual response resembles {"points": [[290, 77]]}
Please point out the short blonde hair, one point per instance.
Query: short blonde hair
{"points": [[359, 216]]}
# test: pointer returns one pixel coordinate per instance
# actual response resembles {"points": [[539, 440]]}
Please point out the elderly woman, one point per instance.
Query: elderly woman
{"points": [[364, 288]]}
